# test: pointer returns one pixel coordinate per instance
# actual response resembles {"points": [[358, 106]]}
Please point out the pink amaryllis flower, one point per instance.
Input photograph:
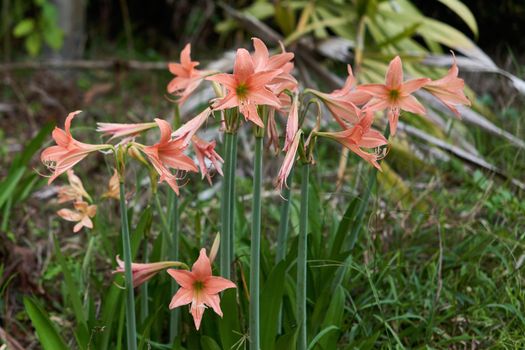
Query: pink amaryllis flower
{"points": [[75, 191], [292, 124], [246, 88], [360, 136], [123, 130], [81, 215], [68, 151], [189, 128], [187, 78], [168, 153], [449, 89], [395, 95], [283, 62], [142, 272], [199, 287], [288, 162], [343, 103], [206, 150]]}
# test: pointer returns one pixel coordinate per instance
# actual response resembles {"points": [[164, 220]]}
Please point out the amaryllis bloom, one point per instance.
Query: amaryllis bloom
{"points": [[395, 95], [199, 288], [143, 272], [189, 128], [75, 191], [81, 215], [168, 153], [360, 136], [449, 89], [206, 150], [343, 103], [246, 88], [68, 151], [122, 130], [289, 160], [271, 131], [113, 187], [187, 78], [264, 62]]}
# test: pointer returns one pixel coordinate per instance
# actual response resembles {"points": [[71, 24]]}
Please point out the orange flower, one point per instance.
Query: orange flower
{"points": [[68, 151], [121, 130], [246, 88], [143, 272], [264, 62], [449, 89], [395, 95], [187, 78], [74, 191], [343, 103], [199, 288], [189, 128], [206, 150], [360, 136], [289, 160], [81, 215], [168, 153]]}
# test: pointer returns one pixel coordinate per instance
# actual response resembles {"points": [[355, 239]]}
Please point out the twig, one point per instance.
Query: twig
{"points": [[85, 64]]}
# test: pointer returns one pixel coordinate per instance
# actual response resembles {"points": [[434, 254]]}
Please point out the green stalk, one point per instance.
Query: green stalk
{"points": [[131, 328], [174, 256], [144, 307], [87, 256], [282, 234], [301, 260], [165, 227], [232, 195], [226, 207], [256, 246]]}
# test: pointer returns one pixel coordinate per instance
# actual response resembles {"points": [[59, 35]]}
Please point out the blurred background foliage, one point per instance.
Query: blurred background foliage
{"points": [[440, 256]]}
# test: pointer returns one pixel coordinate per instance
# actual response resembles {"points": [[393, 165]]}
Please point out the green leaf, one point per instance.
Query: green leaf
{"points": [[33, 43], [47, 333], [271, 299], [344, 226], [229, 328], [463, 12], [320, 335], [208, 343], [54, 37], [333, 318], [24, 27]]}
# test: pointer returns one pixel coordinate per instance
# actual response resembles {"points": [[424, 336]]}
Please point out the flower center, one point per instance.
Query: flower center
{"points": [[198, 286], [394, 95], [241, 90]]}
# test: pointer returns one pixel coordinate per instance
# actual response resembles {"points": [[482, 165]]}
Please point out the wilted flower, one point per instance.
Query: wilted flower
{"points": [[246, 88], [113, 187], [187, 78], [449, 89], [199, 288], [168, 153], [206, 150], [74, 191], [360, 136], [81, 215], [68, 151], [395, 94], [143, 272]]}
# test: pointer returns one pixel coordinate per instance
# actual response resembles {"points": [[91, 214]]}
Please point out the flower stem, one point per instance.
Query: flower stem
{"points": [[144, 307], [131, 327], [174, 220], [256, 246], [232, 195], [87, 257], [301, 260], [226, 207]]}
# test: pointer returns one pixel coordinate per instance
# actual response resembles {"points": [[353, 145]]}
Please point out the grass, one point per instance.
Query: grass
{"points": [[444, 275]]}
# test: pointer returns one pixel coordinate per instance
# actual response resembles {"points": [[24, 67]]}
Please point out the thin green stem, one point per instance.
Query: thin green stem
{"points": [[301, 260], [256, 246], [144, 307], [131, 327], [226, 208], [87, 256], [232, 195], [174, 220]]}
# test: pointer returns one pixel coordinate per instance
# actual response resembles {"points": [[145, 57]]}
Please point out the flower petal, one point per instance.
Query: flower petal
{"points": [[182, 297]]}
